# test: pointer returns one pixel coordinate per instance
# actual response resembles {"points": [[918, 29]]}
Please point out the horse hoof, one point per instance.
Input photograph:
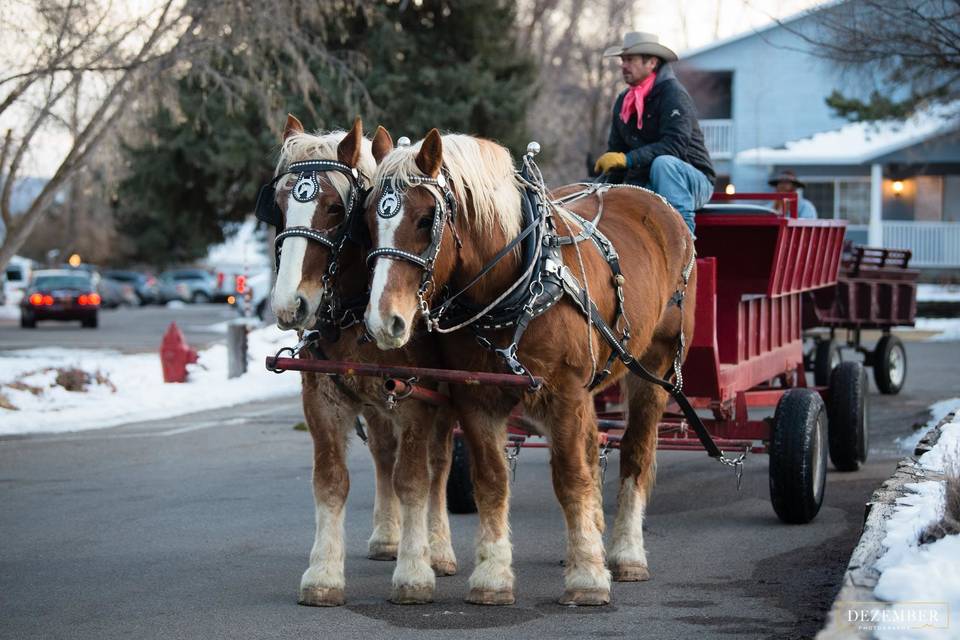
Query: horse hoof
{"points": [[444, 568], [629, 572], [321, 597], [491, 597], [586, 597], [382, 551], [411, 595]]}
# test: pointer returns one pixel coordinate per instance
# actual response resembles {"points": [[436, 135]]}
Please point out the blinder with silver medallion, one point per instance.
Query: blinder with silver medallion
{"points": [[307, 187], [389, 205]]}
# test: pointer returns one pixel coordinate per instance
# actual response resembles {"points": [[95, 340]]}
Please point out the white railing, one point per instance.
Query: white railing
{"points": [[718, 135], [934, 244]]}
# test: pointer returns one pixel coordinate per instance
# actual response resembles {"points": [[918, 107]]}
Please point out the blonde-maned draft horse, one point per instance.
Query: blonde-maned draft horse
{"points": [[411, 445], [654, 247]]}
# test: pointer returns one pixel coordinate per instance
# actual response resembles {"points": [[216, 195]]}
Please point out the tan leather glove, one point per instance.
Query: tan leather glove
{"points": [[609, 161]]}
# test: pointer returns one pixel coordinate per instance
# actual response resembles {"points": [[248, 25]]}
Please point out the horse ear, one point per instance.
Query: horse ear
{"points": [[382, 144], [430, 158], [348, 151], [292, 127]]}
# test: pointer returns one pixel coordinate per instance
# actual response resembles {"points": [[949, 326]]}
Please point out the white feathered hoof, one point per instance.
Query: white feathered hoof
{"points": [[629, 572], [411, 594], [322, 597], [586, 597], [382, 551], [498, 597], [443, 568]]}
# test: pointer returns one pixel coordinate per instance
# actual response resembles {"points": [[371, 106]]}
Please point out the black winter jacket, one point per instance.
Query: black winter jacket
{"points": [[670, 128]]}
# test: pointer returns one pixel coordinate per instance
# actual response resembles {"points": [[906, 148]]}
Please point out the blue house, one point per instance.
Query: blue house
{"points": [[761, 97]]}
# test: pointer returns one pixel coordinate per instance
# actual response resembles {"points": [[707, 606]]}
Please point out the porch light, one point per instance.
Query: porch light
{"points": [[898, 186], [74, 260], [730, 189]]}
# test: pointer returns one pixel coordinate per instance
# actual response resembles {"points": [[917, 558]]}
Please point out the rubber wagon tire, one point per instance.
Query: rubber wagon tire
{"points": [[798, 456], [827, 358], [889, 365], [848, 416], [459, 485]]}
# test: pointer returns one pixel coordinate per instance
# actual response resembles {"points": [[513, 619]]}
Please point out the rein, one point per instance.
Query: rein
{"points": [[332, 314]]}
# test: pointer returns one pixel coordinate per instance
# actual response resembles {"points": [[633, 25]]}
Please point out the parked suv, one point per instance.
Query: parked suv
{"points": [[201, 285]]}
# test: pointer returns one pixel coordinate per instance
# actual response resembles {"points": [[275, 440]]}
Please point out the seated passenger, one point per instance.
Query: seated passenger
{"points": [[786, 182]]}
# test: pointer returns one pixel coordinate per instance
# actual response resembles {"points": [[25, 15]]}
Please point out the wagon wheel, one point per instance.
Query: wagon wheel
{"points": [[889, 365], [798, 456], [848, 416], [459, 485], [827, 359]]}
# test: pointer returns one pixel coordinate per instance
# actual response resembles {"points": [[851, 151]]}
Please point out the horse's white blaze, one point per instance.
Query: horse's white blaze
{"points": [[376, 322], [627, 545], [327, 556], [299, 214]]}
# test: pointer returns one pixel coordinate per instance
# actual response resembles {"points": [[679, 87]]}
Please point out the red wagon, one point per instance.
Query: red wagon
{"points": [[875, 290], [754, 269]]}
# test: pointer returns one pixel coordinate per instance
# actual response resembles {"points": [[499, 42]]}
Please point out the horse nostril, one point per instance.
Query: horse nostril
{"points": [[397, 326], [300, 312]]}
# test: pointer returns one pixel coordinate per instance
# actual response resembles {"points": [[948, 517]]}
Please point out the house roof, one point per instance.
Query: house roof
{"points": [[859, 142], [773, 24]]}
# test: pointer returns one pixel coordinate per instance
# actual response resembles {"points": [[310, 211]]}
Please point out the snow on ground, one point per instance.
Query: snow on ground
{"points": [[928, 573], [140, 391], [938, 411], [938, 293], [948, 329]]}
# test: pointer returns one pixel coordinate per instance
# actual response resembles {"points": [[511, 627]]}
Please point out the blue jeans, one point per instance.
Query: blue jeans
{"points": [[681, 184]]}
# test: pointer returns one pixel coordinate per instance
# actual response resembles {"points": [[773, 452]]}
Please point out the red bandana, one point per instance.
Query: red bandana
{"points": [[634, 100]]}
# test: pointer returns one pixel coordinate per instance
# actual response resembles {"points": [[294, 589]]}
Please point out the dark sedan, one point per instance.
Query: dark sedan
{"points": [[59, 295]]}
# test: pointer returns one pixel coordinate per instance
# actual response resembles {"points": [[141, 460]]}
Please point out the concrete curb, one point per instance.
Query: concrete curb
{"points": [[861, 576]]}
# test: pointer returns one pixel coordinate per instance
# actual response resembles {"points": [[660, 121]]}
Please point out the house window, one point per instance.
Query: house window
{"points": [[845, 198]]}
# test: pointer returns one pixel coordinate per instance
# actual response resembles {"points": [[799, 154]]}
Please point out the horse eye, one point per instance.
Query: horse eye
{"points": [[425, 222], [335, 210]]}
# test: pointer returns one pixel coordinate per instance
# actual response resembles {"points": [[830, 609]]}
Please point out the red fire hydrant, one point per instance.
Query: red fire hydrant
{"points": [[175, 355]]}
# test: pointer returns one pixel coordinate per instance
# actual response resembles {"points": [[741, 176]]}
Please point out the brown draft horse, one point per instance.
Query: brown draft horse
{"points": [[654, 246], [411, 445]]}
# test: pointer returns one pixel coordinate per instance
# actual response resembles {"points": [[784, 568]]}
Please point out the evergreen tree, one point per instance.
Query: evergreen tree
{"points": [[435, 64]]}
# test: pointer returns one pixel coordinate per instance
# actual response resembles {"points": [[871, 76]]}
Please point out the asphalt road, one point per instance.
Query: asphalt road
{"points": [[127, 329], [200, 526]]}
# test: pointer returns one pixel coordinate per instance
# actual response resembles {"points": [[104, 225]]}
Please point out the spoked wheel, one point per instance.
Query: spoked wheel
{"points": [[889, 365], [848, 416], [827, 358], [459, 485], [798, 456]]}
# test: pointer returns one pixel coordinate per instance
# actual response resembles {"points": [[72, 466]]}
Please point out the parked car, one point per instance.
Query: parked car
{"points": [[146, 286], [201, 286], [114, 293], [60, 294], [18, 275]]}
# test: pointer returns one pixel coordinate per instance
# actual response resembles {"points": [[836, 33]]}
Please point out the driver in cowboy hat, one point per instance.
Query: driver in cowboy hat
{"points": [[655, 140], [786, 182]]}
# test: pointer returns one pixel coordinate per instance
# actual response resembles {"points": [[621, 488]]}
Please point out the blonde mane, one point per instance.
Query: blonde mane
{"points": [[323, 146], [480, 172]]}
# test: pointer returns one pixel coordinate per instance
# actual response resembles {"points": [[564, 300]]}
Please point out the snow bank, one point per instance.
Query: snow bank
{"points": [[929, 573], [948, 329], [140, 391], [938, 293], [938, 411]]}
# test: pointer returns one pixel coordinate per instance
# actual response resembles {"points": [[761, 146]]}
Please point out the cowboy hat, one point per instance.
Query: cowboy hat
{"points": [[786, 176], [639, 43]]}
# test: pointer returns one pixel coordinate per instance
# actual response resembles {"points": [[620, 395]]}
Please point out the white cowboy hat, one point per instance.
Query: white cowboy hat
{"points": [[639, 43]]}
